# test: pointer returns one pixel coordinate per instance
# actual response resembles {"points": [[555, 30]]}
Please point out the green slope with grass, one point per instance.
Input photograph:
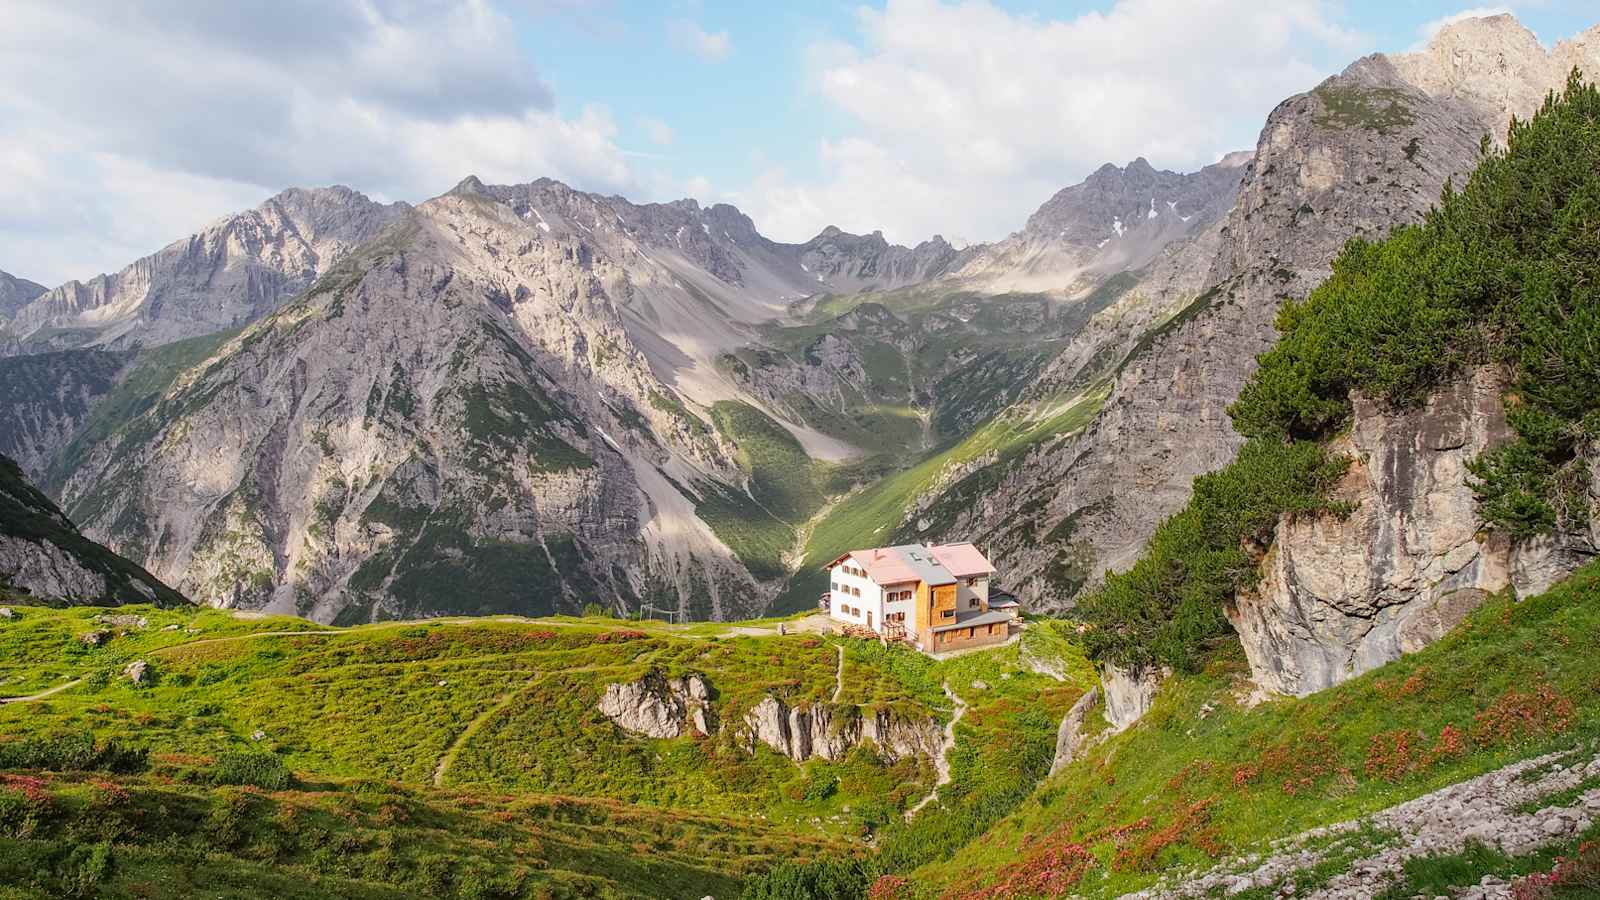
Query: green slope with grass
{"points": [[1204, 776], [461, 758]]}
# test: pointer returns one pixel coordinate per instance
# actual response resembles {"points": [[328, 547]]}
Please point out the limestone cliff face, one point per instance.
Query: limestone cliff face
{"points": [[236, 270], [830, 731], [1365, 151], [1341, 595]]}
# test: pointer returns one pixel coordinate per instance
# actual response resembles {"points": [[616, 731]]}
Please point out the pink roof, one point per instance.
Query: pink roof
{"points": [[963, 560], [882, 564]]}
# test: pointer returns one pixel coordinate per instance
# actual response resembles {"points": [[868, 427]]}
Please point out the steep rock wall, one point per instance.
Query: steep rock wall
{"points": [[1341, 595]]}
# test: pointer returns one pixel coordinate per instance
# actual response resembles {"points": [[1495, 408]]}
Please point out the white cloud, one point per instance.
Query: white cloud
{"points": [[967, 117], [1428, 30], [184, 112], [657, 131], [708, 46]]}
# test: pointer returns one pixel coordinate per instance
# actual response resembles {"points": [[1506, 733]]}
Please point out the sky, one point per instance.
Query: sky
{"points": [[125, 126]]}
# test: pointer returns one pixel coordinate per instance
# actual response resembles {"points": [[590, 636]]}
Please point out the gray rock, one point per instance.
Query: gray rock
{"points": [[7, 613], [658, 707], [1342, 595], [137, 671], [95, 638], [61, 565], [1315, 181], [1129, 695], [235, 271], [15, 293], [1068, 741], [830, 731]]}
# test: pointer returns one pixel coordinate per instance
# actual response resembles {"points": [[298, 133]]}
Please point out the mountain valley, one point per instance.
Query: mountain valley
{"points": [[473, 548]]}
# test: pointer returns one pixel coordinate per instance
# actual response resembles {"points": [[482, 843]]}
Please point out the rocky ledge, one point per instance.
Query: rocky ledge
{"points": [[660, 707], [1487, 810], [831, 731]]}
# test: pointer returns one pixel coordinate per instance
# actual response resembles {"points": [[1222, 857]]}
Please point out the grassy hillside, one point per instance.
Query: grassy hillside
{"points": [[1203, 776], [460, 758]]}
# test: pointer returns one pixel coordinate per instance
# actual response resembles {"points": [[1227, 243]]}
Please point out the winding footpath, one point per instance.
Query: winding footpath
{"points": [[50, 692], [475, 726], [941, 763]]}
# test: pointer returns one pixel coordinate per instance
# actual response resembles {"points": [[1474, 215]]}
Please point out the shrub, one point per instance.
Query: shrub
{"points": [[85, 869], [822, 879], [255, 769], [1167, 608], [71, 752]]}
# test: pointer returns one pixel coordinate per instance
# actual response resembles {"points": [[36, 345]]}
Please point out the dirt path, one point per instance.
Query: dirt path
{"points": [[941, 763], [475, 726], [33, 698], [816, 623], [241, 637]]}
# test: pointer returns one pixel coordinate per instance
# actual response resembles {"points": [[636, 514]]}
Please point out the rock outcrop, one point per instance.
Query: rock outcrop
{"points": [[831, 731], [1129, 694], [660, 707], [43, 555], [1341, 595], [1069, 739]]}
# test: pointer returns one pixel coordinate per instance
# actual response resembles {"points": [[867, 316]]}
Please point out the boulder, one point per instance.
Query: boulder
{"points": [[95, 638], [6, 613], [137, 671]]}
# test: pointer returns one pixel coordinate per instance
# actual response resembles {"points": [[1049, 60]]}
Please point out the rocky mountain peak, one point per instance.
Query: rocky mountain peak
{"points": [[1119, 218], [16, 293], [232, 272], [468, 185], [1497, 65]]}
